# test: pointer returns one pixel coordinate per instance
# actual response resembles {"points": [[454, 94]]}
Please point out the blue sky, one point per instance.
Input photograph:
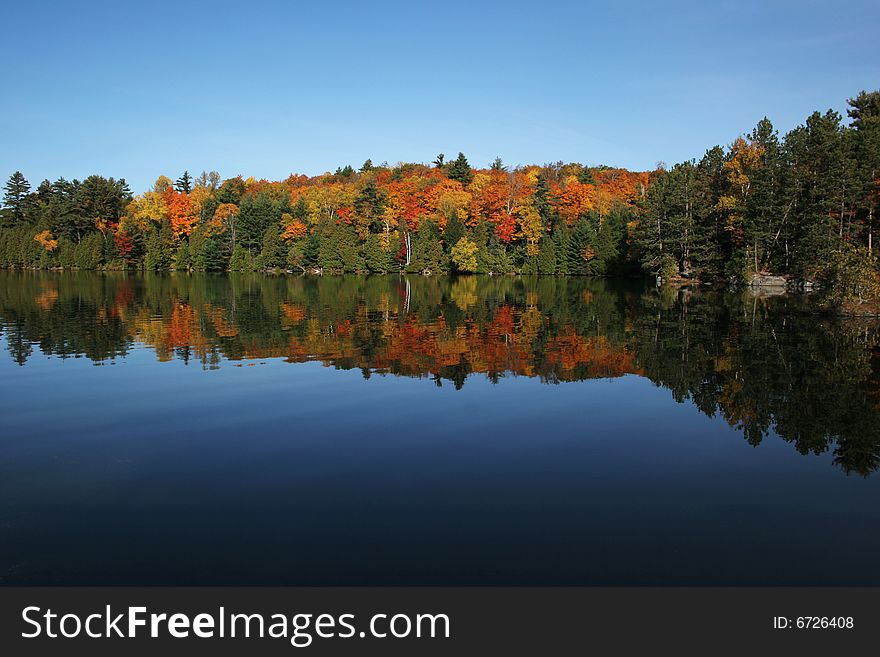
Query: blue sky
{"points": [[265, 88]]}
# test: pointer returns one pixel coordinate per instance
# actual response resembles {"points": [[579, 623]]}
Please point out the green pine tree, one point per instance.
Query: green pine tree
{"points": [[427, 248], [184, 183], [16, 198], [256, 214], [581, 248], [460, 170], [328, 258], [182, 259], [349, 250], [546, 258], [212, 257], [241, 260], [159, 248], [376, 258], [561, 245], [274, 253], [453, 232]]}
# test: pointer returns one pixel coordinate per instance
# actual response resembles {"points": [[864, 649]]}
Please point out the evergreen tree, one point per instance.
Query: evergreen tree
{"points": [[328, 258], [427, 249], [585, 176], [496, 259], [184, 183], [562, 239], [241, 260], [16, 197], [460, 170], [544, 205], [525, 263], [182, 259], [667, 230], [64, 213], [376, 258], [481, 236], [368, 208], [231, 191], [710, 246], [209, 206], [311, 250], [453, 232], [159, 248], [195, 244], [821, 170], [865, 114], [349, 249], [101, 201], [609, 236], [546, 258], [274, 253], [300, 211], [212, 257], [256, 214], [764, 208], [581, 248]]}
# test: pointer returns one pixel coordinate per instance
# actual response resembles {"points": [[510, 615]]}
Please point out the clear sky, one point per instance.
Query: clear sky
{"points": [[135, 90]]}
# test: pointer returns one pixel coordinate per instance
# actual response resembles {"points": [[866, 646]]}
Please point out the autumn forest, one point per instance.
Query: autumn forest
{"points": [[802, 205]]}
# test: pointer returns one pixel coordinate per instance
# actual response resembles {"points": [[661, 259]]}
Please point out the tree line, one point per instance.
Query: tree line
{"points": [[443, 217], [803, 205], [790, 205]]}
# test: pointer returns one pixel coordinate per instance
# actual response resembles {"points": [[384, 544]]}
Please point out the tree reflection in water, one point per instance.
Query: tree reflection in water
{"points": [[762, 364]]}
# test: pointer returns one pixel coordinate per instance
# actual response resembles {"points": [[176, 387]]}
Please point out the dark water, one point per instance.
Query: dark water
{"points": [[213, 430]]}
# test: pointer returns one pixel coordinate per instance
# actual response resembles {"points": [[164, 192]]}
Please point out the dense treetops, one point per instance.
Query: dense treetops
{"points": [[412, 217], [797, 204]]}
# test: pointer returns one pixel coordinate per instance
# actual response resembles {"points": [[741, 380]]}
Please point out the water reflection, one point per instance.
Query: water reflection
{"points": [[762, 364]]}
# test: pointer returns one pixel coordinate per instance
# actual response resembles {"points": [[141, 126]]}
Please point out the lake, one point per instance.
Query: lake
{"points": [[188, 429]]}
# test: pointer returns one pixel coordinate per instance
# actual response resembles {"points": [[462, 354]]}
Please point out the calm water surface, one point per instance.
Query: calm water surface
{"points": [[383, 430]]}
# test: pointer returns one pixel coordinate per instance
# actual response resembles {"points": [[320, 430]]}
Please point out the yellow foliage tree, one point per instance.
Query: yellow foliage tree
{"points": [[531, 225], [147, 208], [464, 255]]}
